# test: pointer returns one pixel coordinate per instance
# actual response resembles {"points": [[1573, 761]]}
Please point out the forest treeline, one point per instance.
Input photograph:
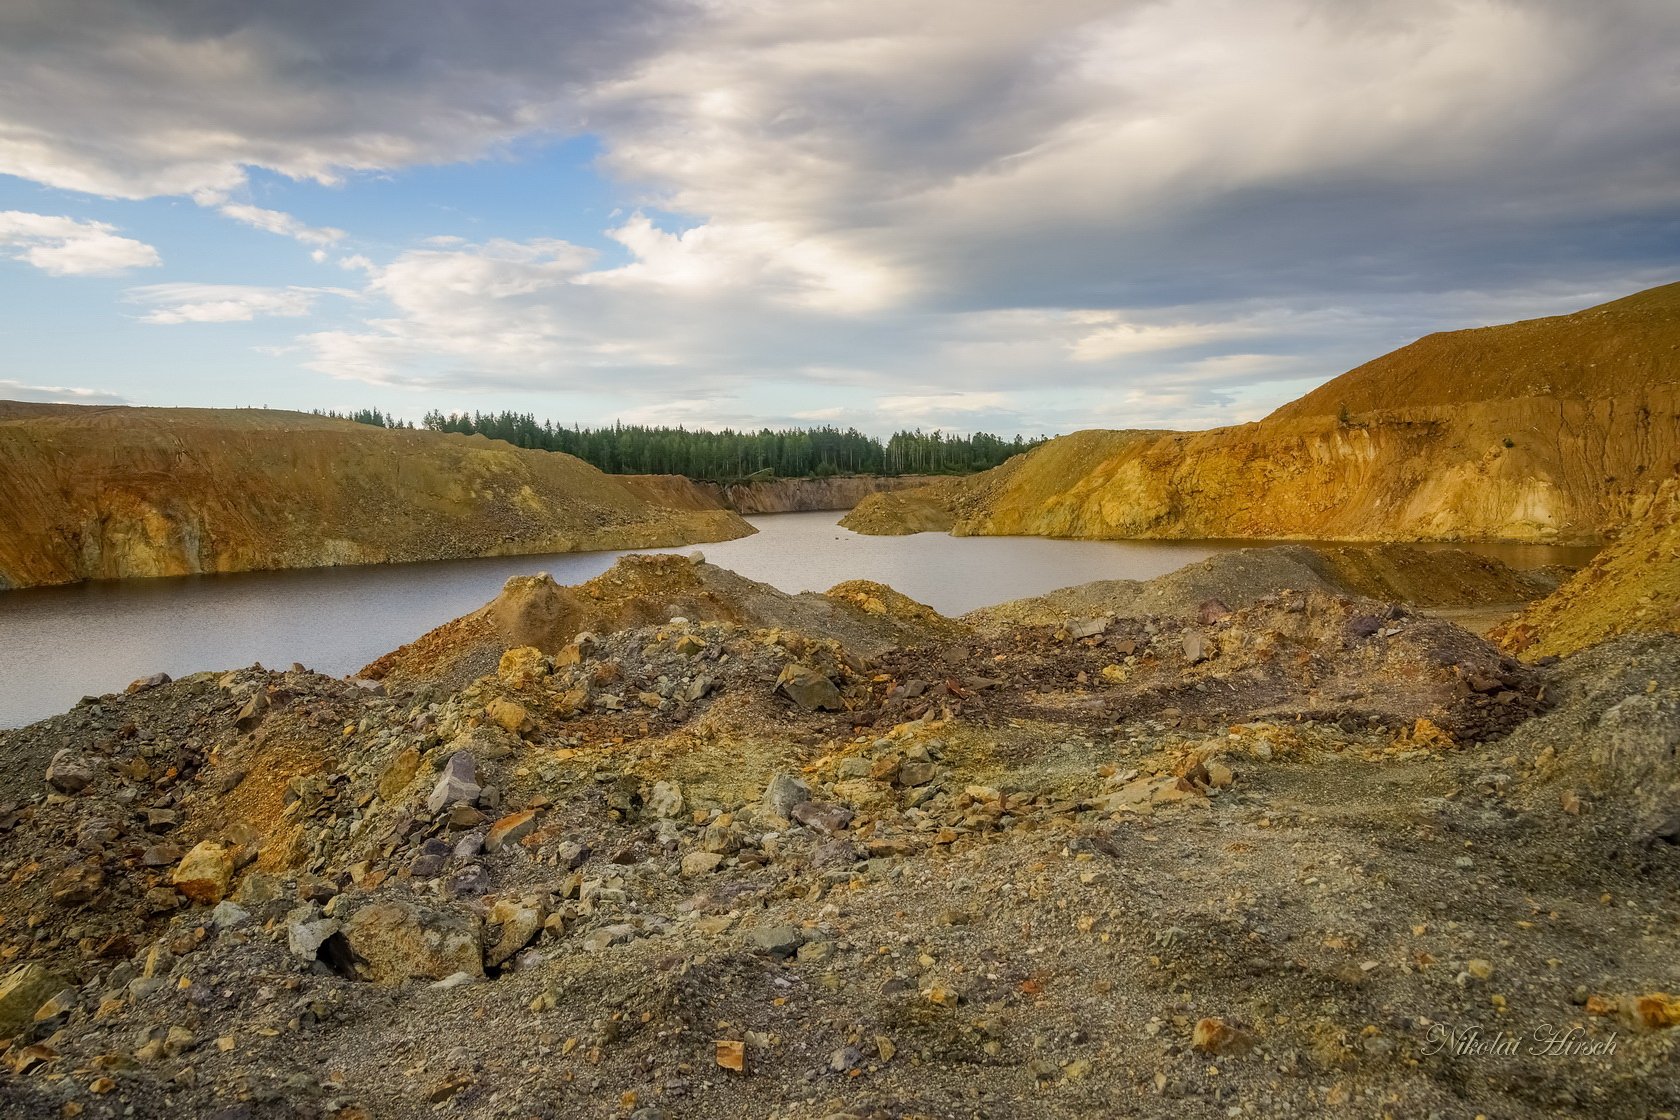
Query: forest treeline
{"points": [[727, 455]]}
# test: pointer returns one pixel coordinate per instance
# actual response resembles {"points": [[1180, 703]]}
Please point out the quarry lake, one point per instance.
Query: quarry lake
{"points": [[59, 644]]}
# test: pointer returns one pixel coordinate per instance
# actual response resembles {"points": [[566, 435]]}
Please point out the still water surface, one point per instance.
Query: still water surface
{"points": [[59, 644]]}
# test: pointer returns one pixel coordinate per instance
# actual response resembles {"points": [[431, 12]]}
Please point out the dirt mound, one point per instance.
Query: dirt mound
{"points": [[1543, 431], [1610, 747], [105, 493], [1421, 577], [1622, 344], [650, 590], [1632, 586]]}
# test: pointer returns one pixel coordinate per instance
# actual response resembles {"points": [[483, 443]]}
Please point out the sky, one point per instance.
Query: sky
{"points": [[966, 214]]}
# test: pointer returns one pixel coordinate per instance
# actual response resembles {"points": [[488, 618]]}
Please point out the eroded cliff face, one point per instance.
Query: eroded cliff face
{"points": [[779, 495], [105, 493], [1631, 587], [1544, 431]]}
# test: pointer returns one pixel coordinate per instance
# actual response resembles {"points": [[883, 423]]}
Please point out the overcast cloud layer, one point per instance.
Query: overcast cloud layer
{"points": [[950, 212]]}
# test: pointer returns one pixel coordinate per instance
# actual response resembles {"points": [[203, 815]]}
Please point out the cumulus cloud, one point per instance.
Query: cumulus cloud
{"points": [[64, 246], [224, 303], [1178, 208]]}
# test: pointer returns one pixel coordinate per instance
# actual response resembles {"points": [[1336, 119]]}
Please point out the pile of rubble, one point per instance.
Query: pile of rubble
{"points": [[691, 854]]}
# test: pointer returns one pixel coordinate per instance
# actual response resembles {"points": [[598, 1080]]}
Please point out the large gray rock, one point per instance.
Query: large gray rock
{"points": [[458, 783], [809, 689], [783, 793], [67, 773]]}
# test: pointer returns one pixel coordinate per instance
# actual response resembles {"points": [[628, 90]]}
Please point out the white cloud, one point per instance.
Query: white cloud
{"points": [[56, 394], [224, 303], [1162, 204], [277, 221], [69, 247]]}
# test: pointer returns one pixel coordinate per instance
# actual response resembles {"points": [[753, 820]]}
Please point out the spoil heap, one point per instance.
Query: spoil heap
{"points": [[695, 848]]}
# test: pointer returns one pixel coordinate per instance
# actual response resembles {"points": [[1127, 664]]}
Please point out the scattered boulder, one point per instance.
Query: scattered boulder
{"points": [[395, 941], [510, 830], [783, 792], [701, 863], [665, 800], [252, 713], [204, 872], [23, 991], [458, 783], [514, 922], [67, 773], [145, 684], [510, 714], [398, 773], [809, 689]]}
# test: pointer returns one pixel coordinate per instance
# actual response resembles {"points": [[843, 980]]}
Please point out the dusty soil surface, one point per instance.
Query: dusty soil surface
{"points": [[1301, 855]]}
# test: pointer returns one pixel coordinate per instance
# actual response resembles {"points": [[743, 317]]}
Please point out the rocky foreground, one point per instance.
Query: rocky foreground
{"points": [[1237, 842]]}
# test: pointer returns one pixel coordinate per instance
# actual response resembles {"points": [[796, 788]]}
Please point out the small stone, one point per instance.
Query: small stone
{"points": [[252, 713], [911, 774], [463, 816], [732, 1055], [203, 873], [510, 830], [227, 914], [156, 680], [822, 816], [306, 931], [1196, 646], [700, 863], [780, 940], [1219, 775], [845, 1058], [521, 666], [1216, 1036]]}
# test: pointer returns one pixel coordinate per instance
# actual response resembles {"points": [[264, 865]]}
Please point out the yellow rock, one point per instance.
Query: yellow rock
{"points": [[399, 774], [203, 873], [510, 714], [521, 666]]}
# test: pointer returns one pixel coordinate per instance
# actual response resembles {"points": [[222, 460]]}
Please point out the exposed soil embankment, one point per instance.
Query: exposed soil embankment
{"points": [[1631, 587], [106, 493], [777, 495], [1538, 431]]}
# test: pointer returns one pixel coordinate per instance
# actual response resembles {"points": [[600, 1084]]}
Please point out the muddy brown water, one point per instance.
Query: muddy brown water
{"points": [[59, 644]]}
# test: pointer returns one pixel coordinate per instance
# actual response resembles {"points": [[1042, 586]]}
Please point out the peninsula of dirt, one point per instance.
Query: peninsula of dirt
{"points": [[1548, 430], [1262, 837], [109, 493]]}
